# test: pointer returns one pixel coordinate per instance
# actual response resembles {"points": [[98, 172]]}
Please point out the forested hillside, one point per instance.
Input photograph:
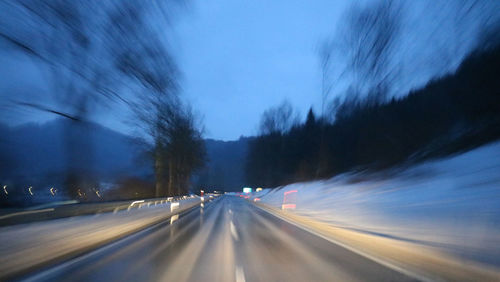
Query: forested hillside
{"points": [[450, 114], [225, 168]]}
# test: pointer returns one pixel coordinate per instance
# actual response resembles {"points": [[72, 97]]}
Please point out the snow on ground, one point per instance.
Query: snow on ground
{"points": [[28, 245], [452, 204]]}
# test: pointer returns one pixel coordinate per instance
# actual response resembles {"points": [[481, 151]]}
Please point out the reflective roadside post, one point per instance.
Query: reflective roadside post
{"points": [[289, 200]]}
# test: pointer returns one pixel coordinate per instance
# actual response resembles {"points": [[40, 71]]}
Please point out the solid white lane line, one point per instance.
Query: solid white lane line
{"points": [[233, 231], [240, 275]]}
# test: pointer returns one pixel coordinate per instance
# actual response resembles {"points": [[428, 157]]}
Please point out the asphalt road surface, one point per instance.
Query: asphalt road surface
{"points": [[228, 239]]}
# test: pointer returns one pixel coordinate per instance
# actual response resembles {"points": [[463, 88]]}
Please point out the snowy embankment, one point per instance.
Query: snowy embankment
{"points": [[451, 204], [29, 246]]}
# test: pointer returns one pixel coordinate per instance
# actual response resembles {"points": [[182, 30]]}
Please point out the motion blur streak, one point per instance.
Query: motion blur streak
{"points": [[25, 247], [201, 247], [25, 212]]}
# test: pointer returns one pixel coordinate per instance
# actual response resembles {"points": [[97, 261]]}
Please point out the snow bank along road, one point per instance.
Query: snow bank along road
{"points": [[26, 247], [441, 217]]}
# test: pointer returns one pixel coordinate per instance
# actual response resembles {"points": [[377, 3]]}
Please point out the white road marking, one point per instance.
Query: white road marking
{"points": [[240, 275], [233, 231]]}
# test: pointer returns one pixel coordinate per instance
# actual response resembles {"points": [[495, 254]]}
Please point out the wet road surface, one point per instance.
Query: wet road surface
{"points": [[228, 239]]}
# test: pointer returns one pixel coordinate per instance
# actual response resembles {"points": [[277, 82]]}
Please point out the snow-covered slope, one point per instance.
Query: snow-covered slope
{"points": [[452, 204]]}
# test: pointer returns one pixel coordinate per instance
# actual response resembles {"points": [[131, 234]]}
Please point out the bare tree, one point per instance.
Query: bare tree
{"points": [[185, 151], [365, 45], [91, 53], [279, 119], [326, 61], [177, 145], [176, 136], [56, 34]]}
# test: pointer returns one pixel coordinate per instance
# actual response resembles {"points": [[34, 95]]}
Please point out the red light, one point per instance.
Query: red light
{"points": [[289, 200]]}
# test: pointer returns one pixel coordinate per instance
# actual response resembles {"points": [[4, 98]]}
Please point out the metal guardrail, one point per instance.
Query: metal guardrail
{"points": [[73, 208]]}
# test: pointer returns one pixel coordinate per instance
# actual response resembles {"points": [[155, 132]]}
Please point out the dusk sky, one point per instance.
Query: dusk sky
{"points": [[238, 58], [241, 57]]}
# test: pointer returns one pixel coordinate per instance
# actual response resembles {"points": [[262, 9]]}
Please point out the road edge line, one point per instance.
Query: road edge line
{"points": [[390, 265]]}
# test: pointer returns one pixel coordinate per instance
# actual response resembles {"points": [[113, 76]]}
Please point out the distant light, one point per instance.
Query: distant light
{"points": [[97, 193], [247, 190], [256, 199], [53, 191], [5, 190], [29, 190], [258, 189]]}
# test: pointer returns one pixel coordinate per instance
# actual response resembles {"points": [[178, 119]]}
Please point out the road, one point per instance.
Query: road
{"points": [[228, 239]]}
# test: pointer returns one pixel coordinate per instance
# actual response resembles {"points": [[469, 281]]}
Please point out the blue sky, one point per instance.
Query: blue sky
{"points": [[237, 58], [240, 57]]}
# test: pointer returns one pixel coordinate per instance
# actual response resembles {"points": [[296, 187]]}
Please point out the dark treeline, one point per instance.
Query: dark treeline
{"points": [[450, 114]]}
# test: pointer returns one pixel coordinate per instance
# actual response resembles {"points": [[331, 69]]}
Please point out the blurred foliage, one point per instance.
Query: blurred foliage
{"points": [[95, 55]]}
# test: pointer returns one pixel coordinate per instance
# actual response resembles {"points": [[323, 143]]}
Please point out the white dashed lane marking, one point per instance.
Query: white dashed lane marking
{"points": [[233, 231], [240, 275]]}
